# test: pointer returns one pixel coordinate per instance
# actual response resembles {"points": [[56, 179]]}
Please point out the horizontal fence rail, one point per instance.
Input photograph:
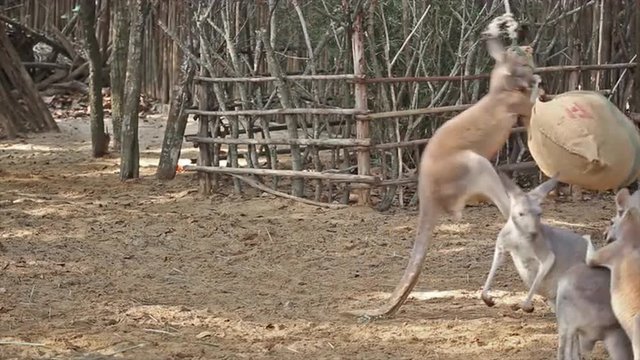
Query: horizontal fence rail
{"points": [[416, 79], [281, 111], [289, 173], [280, 141]]}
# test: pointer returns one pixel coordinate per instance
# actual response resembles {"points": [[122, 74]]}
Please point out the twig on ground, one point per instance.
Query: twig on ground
{"points": [[269, 234], [160, 332], [127, 349], [20, 343]]}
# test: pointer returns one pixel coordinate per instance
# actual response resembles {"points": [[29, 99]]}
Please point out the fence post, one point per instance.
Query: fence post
{"points": [[360, 92], [204, 158]]}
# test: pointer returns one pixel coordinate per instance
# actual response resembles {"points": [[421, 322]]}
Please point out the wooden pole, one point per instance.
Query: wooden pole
{"points": [[288, 173], [360, 92]]}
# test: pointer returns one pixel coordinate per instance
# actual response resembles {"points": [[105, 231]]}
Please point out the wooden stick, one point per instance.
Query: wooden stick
{"points": [[267, 189], [281, 141], [287, 173], [273, 78], [521, 166], [431, 110], [285, 111]]}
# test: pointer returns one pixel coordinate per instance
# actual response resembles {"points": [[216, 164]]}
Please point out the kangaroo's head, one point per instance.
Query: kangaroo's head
{"points": [[629, 228], [526, 207], [624, 202]]}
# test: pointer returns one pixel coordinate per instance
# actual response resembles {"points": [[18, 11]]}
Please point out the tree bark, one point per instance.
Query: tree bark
{"points": [[130, 151], [99, 140], [119, 67]]}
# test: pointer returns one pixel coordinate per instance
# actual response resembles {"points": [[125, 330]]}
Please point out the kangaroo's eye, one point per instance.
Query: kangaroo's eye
{"points": [[520, 214]]}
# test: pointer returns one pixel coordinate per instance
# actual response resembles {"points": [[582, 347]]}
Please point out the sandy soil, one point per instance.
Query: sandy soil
{"points": [[94, 268]]}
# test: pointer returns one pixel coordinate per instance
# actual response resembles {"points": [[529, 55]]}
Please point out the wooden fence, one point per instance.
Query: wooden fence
{"points": [[347, 177]]}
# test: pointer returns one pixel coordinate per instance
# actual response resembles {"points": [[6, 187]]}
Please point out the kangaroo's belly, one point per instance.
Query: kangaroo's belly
{"points": [[484, 138]]}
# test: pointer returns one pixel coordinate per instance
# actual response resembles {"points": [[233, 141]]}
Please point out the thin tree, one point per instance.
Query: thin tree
{"points": [[130, 151], [99, 139], [176, 122], [120, 33]]}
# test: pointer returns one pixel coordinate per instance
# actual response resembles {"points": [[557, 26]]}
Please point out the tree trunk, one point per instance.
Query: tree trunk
{"points": [[99, 140], [119, 67], [130, 152], [176, 123], [284, 93]]}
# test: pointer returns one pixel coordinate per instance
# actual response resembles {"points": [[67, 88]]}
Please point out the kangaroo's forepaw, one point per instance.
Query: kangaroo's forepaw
{"points": [[488, 300], [526, 307]]}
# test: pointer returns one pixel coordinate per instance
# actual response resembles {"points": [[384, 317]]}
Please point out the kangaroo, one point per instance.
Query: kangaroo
{"points": [[541, 253], [622, 258], [454, 165], [584, 313]]}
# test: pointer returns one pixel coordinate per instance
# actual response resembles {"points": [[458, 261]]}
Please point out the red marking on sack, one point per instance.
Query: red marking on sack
{"points": [[575, 111]]}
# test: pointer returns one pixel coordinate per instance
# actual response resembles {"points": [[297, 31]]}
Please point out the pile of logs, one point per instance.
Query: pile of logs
{"points": [[22, 109], [54, 62]]}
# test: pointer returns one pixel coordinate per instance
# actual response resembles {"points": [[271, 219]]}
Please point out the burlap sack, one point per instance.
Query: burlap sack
{"points": [[587, 139]]}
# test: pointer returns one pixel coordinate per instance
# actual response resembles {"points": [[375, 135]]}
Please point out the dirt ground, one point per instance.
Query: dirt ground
{"points": [[94, 268]]}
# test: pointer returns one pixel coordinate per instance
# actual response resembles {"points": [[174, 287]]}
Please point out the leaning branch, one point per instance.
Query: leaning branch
{"points": [[267, 189]]}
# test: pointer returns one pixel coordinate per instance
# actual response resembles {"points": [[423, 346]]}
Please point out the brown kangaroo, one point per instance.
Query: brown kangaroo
{"points": [[622, 258], [454, 165]]}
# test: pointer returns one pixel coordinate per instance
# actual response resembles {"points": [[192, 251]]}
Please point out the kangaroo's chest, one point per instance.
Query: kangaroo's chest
{"points": [[527, 265], [525, 262]]}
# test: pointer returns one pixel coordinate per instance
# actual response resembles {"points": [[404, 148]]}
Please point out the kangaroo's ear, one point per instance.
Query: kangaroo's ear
{"points": [[509, 185], [541, 191], [622, 199]]}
